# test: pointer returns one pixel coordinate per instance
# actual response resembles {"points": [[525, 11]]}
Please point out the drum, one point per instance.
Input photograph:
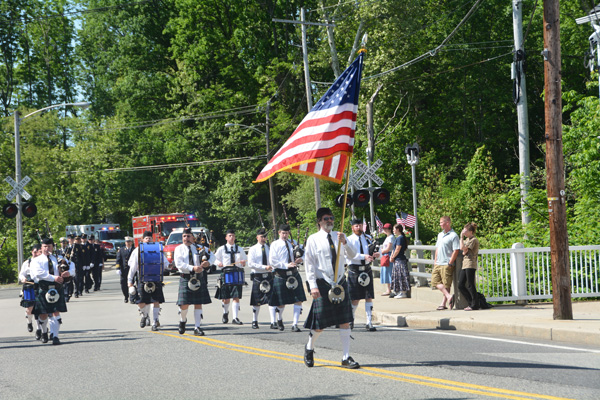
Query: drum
{"points": [[233, 276], [28, 292], [151, 262]]}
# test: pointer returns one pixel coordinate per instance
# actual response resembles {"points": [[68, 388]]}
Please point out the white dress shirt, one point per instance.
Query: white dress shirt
{"points": [[224, 258], [355, 241], [255, 258], [181, 257], [25, 270], [317, 258], [278, 257], [134, 263], [39, 270]]}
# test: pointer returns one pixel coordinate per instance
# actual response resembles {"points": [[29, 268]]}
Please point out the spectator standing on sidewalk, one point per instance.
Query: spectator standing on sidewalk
{"points": [[469, 245], [446, 251], [400, 274], [386, 250]]}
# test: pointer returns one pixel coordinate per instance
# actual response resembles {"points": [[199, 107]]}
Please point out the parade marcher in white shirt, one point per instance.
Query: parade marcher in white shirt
{"points": [[27, 281], [146, 298], [228, 255], [191, 266], [261, 277], [360, 273], [319, 259], [287, 283], [50, 298]]}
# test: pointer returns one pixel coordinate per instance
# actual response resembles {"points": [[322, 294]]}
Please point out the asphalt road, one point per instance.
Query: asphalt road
{"points": [[105, 355]]}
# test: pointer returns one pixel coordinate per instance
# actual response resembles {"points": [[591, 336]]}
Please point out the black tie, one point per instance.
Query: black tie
{"points": [[332, 250], [264, 255], [50, 266], [288, 251], [191, 256], [232, 256], [362, 262]]}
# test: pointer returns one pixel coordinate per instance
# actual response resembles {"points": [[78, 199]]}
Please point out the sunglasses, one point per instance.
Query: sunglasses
{"points": [[327, 218]]}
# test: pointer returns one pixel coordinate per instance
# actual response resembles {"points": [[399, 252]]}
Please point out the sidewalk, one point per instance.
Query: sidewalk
{"points": [[532, 321]]}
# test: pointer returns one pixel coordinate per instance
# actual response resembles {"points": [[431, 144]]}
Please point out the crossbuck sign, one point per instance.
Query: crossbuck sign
{"points": [[362, 174], [18, 188]]}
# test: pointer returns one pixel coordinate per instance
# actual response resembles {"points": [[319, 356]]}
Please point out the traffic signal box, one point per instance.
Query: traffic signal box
{"points": [[361, 198], [11, 210]]}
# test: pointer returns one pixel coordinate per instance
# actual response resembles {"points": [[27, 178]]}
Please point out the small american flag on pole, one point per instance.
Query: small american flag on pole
{"points": [[409, 220], [364, 224], [379, 224], [399, 220]]}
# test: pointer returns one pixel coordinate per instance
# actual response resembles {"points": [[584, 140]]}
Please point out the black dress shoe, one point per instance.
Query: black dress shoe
{"points": [[51, 336], [352, 325], [280, 325], [370, 328], [29, 327], [55, 341], [182, 327], [87, 291], [154, 327], [143, 322], [126, 300], [295, 328], [198, 332], [225, 318], [45, 337], [350, 363], [274, 326], [309, 360], [254, 324], [236, 321], [38, 334], [76, 295]]}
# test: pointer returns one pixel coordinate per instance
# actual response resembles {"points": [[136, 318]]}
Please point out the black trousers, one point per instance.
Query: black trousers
{"points": [[88, 279], [466, 285], [124, 287], [97, 274], [79, 279]]}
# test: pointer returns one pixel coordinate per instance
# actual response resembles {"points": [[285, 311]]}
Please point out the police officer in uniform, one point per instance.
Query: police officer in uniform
{"points": [[261, 276], [87, 249], [75, 252], [97, 265], [230, 254], [122, 265]]}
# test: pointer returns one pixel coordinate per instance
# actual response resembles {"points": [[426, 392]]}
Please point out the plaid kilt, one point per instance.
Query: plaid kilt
{"points": [[358, 292], [188, 296], [147, 298], [282, 295], [324, 314], [258, 298], [41, 304]]}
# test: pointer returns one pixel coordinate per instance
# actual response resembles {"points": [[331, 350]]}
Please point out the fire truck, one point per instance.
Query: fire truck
{"points": [[110, 235], [161, 225]]}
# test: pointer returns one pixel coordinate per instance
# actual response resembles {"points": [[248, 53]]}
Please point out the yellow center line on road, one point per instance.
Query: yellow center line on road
{"points": [[370, 371]]}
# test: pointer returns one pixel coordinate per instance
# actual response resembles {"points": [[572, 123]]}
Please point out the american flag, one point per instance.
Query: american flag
{"points": [[322, 143], [364, 224], [399, 220], [379, 224], [408, 220]]}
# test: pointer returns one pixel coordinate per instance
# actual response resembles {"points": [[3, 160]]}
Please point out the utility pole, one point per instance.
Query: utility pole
{"points": [[521, 102], [371, 148], [555, 181], [271, 191]]}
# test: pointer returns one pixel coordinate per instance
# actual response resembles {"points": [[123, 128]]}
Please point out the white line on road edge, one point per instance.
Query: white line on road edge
{"points": [[489, 338]]}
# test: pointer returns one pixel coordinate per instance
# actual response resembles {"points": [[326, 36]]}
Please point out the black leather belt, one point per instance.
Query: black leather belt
{"points": [[261, 275], [284, 273], [359, 268]]}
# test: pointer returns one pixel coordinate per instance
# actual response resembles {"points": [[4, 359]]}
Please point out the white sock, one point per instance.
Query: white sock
{"points": [[369, 310], [198, 317], [44, 325], [297, 311], [236, 309], [39, 323], [273, 313], [255, 311], [312, 337], [155, 314], [280, 311], [225, 308], [29, 318], [345, 337], [52, 324], [183, 315], [354, 307]]}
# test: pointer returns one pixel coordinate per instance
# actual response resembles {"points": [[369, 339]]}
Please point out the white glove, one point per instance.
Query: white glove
{"points": [[132, 290], [92, 265], [118, 272]]}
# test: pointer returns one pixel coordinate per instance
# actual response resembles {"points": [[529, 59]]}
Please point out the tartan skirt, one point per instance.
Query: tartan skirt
{"points": [[400, 276], [258, 298], [282, 295], [357, 291], [41, 304], [147, 298], [323, 313], [188, 296]]}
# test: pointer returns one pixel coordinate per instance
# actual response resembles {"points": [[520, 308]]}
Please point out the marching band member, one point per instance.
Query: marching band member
{"points": [[258, 257], [360, 275], [145, 299], [24, 278], [230, 254], [122, 265], [188, 262], [319, 260], [287, 283], [50, 299]]}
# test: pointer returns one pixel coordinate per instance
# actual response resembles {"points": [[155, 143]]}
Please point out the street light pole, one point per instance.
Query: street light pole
{"points": [[18, 120]]}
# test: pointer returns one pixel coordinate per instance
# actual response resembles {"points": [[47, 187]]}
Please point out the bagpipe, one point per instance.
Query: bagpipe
{"points": [[195, 281], [63, 263]]}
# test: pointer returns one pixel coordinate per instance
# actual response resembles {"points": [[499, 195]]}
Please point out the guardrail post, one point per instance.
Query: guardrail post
{"points": [[518, 281]]}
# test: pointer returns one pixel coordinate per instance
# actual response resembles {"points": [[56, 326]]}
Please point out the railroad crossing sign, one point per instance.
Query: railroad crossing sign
{"points": [[369, 173], [18, 188], [359, 169]]}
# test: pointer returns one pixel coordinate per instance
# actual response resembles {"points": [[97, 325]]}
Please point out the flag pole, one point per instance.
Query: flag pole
{"points": [[337, 258]]}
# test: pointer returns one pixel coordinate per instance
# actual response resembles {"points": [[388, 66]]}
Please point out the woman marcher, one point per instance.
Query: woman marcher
{"points": [[386, 251], [470, 248], [400, 274]]}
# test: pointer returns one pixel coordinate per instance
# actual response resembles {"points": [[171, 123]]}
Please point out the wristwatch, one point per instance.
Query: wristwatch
{"points": [[452, 264]]}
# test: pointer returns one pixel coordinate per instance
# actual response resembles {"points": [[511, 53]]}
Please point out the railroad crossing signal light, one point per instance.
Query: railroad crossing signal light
{"points": [[361, 198], [339, 201], [381, 196], [29, 210], [10, 210]]}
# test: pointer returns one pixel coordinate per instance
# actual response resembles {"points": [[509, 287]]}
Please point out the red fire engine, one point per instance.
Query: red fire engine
{"points": [[161, 225]]}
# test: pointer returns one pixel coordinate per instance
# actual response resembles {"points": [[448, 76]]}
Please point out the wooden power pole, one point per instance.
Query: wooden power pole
{"points": [[555, 181]]}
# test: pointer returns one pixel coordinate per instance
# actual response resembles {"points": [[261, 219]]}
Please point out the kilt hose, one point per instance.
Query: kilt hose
{"points": [[188, 296], [41, 304], [324, 313], [282, 295], [257, 297], [147, 298], [357, 291]]}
